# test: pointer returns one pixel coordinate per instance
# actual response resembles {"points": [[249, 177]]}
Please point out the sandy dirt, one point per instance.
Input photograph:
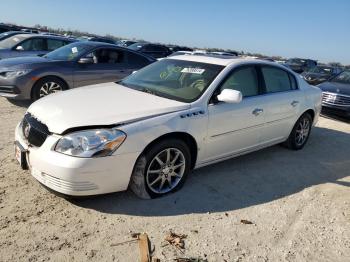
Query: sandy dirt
{"points": [[298, 203]]}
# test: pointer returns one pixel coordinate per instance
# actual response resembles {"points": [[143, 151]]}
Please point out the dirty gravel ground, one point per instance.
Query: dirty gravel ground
{"points": [[299, 203]]}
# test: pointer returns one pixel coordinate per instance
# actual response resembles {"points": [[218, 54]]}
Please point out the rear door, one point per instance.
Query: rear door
{"points": [[236, 128], [283, 103]]}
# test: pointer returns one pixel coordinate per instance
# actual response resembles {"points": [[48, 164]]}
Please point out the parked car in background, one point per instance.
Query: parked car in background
{"points": [[154, 50], [74, 65], [30, 45], [6, 28], [223, 53], [150, 129], [336, 95], [300, 65], [8, 34], [126, 42], [319, 74], [98, 39], [176, 48]]}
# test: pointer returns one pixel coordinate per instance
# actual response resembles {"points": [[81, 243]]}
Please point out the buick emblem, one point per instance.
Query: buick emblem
{"points": [[26, 130]]}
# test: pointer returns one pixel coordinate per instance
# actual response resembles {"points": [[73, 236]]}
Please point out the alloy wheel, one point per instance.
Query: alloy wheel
{"points": [[49, 88], [166, 170], [302, 131]]}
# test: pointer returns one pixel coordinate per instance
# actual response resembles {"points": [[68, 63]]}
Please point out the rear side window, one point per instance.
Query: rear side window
{"points": [[53, 44], [136, 60], [278, 80], [244, 80]]}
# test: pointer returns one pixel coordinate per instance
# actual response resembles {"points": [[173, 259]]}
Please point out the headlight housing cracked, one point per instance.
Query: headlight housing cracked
{"points": [[91, 143], [13, 74]]}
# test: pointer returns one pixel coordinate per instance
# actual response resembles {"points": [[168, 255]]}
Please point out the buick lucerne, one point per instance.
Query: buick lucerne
{"points": [[149, 130]]}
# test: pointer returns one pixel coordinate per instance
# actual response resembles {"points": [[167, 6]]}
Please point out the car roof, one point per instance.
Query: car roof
{"points": [[24, 35], [222, 59]]}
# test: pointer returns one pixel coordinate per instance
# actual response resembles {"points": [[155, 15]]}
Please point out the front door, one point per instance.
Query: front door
{"points": [[236, 128]]}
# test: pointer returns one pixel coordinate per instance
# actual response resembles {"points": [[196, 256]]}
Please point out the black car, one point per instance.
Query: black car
{"points": [[176, 48], [97, 39], [125, 42], [320, 74], [300, 65], [336, 95], [154, 50], [6, 28]]}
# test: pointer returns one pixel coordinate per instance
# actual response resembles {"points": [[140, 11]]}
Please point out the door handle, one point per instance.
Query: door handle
{"points": [[294, 103], [257, 111]]}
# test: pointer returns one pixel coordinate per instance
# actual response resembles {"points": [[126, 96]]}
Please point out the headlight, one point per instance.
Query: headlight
{"points": [[91, 143], [13, 74]]}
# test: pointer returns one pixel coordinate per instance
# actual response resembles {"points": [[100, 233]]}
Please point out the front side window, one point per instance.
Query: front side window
{"points": [[35, 44], [184, 81], [244, 80], [277, 80]]}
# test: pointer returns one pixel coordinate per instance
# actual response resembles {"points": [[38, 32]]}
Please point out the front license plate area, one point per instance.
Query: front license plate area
{"points": [[21, 155]]}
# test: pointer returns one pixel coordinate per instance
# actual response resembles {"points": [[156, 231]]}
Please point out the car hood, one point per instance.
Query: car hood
{"points": [[20, 62], [335, 87], [100, 105]]}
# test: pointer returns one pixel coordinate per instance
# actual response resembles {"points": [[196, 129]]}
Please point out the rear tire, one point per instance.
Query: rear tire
{"points": [[300, 133], [161, 170], [47, 85]]}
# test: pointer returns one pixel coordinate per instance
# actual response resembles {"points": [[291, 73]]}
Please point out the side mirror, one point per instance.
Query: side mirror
{"points": [[86, 60], [19, 48], [230, 96]]}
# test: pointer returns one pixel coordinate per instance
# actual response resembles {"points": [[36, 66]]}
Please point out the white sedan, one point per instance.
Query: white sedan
{"points": [[150, 130]]}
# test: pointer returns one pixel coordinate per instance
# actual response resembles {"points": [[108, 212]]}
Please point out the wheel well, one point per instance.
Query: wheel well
{"points": [[311, 112], [41, 78], [187, 138]]}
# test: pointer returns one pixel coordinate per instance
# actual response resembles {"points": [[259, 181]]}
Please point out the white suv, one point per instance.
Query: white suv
{"points": [[149, 130]]}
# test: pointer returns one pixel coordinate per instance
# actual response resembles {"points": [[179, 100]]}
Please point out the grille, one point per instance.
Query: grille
{"points": [[335, 99], [34, 131]]}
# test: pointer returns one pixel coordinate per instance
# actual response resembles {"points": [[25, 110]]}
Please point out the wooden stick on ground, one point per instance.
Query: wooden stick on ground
{"points": [[144, 248]]}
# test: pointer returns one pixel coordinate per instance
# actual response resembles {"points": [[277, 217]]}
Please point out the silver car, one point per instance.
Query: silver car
{"points": [[31, 45], [74, 65]]}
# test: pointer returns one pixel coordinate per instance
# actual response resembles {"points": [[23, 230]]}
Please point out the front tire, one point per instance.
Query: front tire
{"points": [[300, 133], [161, 170], [46, 86]]}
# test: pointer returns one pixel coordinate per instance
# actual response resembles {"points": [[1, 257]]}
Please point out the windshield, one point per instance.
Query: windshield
{"points": [[68, 52], [135, 46], [296, 61], [321, 70], [184, 81], [342, 78], [11, 41]]}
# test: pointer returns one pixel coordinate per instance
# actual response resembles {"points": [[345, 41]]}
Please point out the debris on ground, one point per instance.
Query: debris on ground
{"points": [[135, 237], [247, 222], [176, 240], [144, 246], [182, 259]]}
